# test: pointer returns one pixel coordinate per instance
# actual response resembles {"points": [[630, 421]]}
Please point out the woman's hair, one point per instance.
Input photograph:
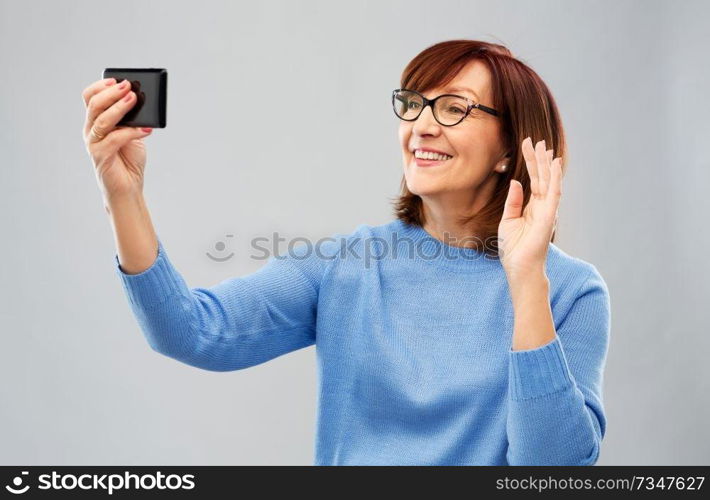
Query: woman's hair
{"points": [[525, 108]]}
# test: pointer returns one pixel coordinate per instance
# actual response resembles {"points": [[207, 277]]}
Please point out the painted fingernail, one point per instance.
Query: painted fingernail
{"points": [[147, 129], [128, 97]]}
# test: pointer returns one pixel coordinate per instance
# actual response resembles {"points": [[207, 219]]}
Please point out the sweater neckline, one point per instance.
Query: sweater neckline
{"points": [[427, 248]]}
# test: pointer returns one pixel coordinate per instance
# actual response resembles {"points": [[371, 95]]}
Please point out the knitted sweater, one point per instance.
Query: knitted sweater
{"points": [[413, 345]]}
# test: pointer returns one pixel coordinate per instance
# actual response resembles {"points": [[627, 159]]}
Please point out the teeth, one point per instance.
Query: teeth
{"points": [[428, 155]]}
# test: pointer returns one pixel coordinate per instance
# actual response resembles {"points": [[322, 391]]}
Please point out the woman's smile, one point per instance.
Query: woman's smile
{"points": [[420, 162]]}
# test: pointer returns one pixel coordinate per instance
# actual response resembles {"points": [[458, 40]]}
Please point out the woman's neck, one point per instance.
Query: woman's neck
{"points": [[447, 226]]}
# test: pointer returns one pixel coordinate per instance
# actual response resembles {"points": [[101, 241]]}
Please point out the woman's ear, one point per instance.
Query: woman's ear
{"points": [[504, 164]]}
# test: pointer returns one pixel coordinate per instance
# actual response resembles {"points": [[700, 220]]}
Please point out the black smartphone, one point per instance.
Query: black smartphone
{"points": [[151, 88]]}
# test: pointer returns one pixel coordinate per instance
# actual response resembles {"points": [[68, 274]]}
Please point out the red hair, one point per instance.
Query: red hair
{"points": [[526, 109]]}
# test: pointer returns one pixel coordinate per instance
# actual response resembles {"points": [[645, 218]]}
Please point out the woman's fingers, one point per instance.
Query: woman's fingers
{"points": [[556, 178], [531, 164], [545, 172], [87, 95], [105, 108], [543, 168], [123, 135], [554, 190], [95, 88]]}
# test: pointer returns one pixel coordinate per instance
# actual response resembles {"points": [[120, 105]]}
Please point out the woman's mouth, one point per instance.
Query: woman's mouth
{"points": [[430, 159], [421, 162]]}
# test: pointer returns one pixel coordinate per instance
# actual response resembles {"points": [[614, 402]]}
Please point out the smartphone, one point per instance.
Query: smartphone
{"points": [[151, 88]]}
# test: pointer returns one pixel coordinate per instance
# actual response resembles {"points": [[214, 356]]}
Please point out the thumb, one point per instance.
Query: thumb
{"points": [[514, 201]]}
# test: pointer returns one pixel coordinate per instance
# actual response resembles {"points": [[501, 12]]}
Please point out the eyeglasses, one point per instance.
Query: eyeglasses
{"points": [[448, 109]]}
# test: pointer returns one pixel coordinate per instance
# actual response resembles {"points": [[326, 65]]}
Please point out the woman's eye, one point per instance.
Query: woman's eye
{"points": [[455, 109], [411, 104]]}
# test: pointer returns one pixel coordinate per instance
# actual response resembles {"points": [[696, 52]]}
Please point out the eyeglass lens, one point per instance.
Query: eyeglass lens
{"points": [[449, 110]]}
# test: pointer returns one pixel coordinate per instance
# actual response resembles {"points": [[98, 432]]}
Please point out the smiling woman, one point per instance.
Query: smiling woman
{"points": [[485, 146], [434, 353]]}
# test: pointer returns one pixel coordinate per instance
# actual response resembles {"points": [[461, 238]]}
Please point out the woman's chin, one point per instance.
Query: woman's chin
{"points": [[423, 188]]}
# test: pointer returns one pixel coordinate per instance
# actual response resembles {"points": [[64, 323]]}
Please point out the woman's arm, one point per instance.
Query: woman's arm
{"points": [[555, 409], [237, 323], [533, 324], [233, 325], [555, 413], [133, 232]]}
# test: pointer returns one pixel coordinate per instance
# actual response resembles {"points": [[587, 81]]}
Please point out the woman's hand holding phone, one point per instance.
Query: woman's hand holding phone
{"points": [[118, 153]]}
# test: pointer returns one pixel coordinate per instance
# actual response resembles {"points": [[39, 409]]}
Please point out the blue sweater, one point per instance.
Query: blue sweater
{"points": [[413, 345]]}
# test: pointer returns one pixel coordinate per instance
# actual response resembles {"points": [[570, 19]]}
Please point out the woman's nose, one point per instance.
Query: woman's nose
{"points": [[425, 122]]}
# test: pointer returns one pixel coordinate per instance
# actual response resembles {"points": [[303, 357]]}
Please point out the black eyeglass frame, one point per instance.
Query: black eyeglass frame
{"points": [[432, 102]]}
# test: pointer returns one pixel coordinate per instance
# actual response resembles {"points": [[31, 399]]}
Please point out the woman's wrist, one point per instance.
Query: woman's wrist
{"points": [[521, 283], [134, 234], [113, 203]]}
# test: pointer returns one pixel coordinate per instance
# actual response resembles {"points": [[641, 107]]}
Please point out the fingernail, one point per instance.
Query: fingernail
{"points": [[146, 129], [110, 81], [128, 97], [123, 84]]}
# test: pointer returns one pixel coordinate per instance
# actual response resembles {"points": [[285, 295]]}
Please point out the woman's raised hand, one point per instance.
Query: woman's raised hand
{"points": [[524, 235], [118, 153]]}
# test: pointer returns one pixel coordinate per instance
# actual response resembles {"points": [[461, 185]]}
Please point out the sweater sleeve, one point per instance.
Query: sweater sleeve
{"points": [[555, 411], [237, 323]]}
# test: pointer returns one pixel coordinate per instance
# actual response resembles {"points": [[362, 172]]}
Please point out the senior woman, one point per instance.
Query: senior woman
{"points": [[465, 337]]}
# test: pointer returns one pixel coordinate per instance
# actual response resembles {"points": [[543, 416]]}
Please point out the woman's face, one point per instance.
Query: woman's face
{"points": [[474, 144]]}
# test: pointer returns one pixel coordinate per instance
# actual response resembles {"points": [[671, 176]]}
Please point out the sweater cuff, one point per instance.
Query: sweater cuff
{"points": [[154, 285], [539, 371]]}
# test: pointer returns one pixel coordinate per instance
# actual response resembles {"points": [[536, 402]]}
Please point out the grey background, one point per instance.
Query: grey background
{"points": [[80, 385]]}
